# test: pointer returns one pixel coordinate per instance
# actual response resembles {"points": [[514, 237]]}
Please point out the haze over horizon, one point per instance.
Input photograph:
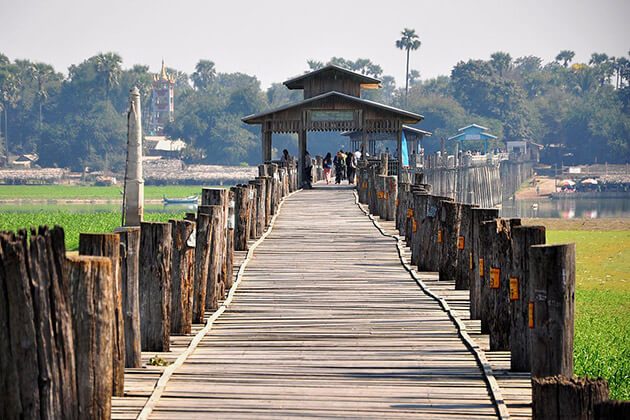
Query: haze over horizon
{"points": [[273, 40]]}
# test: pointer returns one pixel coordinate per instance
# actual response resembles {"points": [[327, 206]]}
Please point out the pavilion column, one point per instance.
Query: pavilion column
{"points": [[399, 148], [301, 154], [266, 144], [364, 145]]}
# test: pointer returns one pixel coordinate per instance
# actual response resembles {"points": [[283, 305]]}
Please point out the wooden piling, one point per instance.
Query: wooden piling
{"points": [[520, 342], [464, 248], [241, 217], [92, 285], [562, 398], [182, 277], [449, 221], [391, 194], [476, 273], [219, 197], [552, 287], [129, 274], [18, 340], [203, 242], [155, 286], [213, 280], [108, 245]]}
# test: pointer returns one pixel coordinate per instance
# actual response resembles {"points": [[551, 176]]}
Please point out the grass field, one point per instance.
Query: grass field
{"points": [[78, 192], [602, 322], [75, 223]]}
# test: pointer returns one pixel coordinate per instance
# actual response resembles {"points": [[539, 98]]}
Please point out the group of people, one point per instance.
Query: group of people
{"points": [[345, 165]]}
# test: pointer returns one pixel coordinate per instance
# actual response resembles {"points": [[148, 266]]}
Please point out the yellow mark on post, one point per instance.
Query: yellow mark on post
{"points": [[364, 184], [495, 274], [380, 194], [480, 267], [460, 242], [530, 314], [514, 293], [439, 238], [396, 202], [470, 261], [414, 225], [409, 213]]}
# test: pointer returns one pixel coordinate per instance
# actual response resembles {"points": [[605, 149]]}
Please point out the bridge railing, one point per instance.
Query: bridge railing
{"points": [[521, 290], [69, 325]]}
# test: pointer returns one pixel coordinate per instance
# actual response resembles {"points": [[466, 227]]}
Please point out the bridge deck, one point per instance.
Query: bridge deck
{"points": [[327, 323]]}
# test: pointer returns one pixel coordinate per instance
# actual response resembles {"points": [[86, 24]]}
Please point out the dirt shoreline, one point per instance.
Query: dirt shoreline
{"points": [[71, 201]]}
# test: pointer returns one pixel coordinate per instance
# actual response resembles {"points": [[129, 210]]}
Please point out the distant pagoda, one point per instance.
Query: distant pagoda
{"points": [[162, 102]]}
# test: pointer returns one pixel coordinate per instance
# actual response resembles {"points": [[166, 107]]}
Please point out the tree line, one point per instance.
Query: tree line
{"points": [[78, 119]]}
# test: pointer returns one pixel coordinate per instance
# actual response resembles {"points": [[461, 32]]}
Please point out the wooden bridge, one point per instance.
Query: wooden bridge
{"points": [[327, 323]]}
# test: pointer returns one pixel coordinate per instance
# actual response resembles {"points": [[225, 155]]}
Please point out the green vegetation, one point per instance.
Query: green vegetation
{"points": [[78, 120], [75, 223], [76, 192], [602, 327]]}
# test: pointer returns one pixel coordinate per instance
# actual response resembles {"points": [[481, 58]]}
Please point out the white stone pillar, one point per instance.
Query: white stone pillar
{"points": [[134, 183]]}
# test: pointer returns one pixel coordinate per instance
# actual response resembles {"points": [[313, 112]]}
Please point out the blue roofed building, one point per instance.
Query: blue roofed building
{"points": [[474, 132]]}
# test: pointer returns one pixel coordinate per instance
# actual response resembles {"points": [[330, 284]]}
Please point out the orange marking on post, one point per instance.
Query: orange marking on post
{"points": [[530, 314], [514, 292], [495, 274], [439, 238], [480, 267], [460, 242]]}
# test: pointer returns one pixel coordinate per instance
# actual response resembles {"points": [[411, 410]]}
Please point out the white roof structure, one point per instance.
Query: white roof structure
{"points": [[170, 145]]}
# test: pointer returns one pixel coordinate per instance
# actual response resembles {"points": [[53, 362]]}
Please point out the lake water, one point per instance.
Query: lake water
{"points": [[568, 208]]}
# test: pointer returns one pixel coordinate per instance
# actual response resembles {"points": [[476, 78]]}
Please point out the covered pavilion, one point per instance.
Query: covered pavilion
{"points": [[332, 102]]}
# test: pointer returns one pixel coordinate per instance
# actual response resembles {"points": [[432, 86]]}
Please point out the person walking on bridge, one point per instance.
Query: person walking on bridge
{"points": [[308, 171], [340, 166], [327, 163], [351, 167]]}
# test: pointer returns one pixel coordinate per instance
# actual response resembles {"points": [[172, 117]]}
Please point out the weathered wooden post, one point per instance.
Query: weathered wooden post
{"points": [[552, 289], [92, 285], [155, 286], [18, 329], [391, 195], [495, 295], [129, 274], [450, 219], [241, 207], [219, 197], [562, 398], [261, 192], [381, 183], [213, 287], [108, 245], [182, 276], [476, 273], [251, 208], [133, 197], [203, 247], [416, 214], [464, 248], [520, 343], [229, 278]]}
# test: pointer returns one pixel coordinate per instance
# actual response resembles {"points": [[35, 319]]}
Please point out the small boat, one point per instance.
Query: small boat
{"points": [[192, 199]]}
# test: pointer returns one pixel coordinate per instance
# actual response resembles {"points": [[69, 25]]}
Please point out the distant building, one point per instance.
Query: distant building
{"points": [[523, 149], [163, 146], [474, 132], [25, 160], [162, 102]]}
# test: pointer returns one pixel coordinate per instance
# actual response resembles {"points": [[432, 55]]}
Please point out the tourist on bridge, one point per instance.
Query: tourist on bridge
{"points": [[308, 171], [340, 166], [285, 159], [351, 167], [327, 164]]}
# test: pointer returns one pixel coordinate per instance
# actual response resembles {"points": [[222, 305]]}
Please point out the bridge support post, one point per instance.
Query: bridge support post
{"points": [[108, 245], [552, 287], [520, 341], [476, 272], [182, 277], [203, 240]]}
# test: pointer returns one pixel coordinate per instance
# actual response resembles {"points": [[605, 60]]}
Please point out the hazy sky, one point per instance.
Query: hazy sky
{"points": [[272, 39]]}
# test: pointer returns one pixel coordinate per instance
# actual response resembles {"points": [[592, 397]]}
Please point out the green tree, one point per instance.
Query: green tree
{"points": [[566, 56], [108, 66], [501, 62], [409, 41], [204, 75]]}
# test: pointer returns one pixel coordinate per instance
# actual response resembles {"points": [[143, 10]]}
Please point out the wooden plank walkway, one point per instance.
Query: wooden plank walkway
{"points": [[327, 323]]}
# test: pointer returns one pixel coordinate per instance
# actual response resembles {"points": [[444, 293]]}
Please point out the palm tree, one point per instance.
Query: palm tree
{"points": [[204, 74], [409, 41], [565, 56], [501, 62], [9, 94], [41, 73], [109, 66]]}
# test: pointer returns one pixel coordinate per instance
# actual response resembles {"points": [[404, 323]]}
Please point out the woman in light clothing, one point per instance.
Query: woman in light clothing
{"points": [[327, 164]]}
